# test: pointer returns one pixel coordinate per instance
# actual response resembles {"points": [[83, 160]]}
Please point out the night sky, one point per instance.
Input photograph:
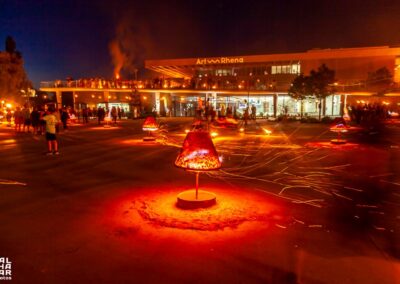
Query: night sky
{"points": [[72, 38]]}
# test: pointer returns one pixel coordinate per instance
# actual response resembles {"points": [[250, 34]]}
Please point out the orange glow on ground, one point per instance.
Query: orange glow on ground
{"points": [[104, 128], [8, 141], [140, 142], [153, 212], [346, 146]]}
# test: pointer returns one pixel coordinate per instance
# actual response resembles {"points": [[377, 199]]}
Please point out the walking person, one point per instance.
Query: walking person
{"points": [[35, 120], [85, 115], [18, 119], [100, 115], [51, 122], [246, 116], [64, 118], [119, 113], [27, 118], [253, 112], [114, 115], [8, 117]]}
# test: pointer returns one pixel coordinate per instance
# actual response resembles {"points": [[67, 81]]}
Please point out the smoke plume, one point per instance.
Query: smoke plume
{"points": [[129, 47]]}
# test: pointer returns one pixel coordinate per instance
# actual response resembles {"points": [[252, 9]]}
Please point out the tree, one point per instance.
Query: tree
{"points": [[13, 78], [11, 46], [321, 84], [300, 89], [381, 77]]}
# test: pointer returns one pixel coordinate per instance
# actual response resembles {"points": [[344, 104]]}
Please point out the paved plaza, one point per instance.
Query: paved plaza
{"points": [[291, 206]]}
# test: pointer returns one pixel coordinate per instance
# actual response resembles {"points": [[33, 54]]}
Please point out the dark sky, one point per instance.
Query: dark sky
{"points": [[71, 38]]}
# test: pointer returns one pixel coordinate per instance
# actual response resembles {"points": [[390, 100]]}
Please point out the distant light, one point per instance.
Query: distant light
{"points": [[7, 105], [241, 129], [268, 132], [214, 134]]}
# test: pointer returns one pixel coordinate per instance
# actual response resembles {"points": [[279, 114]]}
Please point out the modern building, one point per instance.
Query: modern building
{"points": [[180, 86]]}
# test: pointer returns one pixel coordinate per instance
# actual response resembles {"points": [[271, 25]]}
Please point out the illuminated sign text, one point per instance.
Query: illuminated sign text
{"points": [[221, 60]]}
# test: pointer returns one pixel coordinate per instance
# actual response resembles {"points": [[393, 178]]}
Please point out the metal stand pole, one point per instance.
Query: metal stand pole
{"points": [[197, 185]]}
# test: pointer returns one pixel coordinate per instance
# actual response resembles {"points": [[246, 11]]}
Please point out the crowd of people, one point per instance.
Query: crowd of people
{"points": [[209, 113], [49, 121], [368, 114], [198, 82]]}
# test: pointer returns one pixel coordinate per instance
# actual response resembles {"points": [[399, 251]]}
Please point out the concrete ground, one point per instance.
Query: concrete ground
{"points": [[292, 207]]}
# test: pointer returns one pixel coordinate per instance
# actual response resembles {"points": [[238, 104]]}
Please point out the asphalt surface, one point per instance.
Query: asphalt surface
{"points": [[292, 207]]}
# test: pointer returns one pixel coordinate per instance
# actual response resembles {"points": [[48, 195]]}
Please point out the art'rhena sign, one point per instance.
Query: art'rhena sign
{"points": [[220, 60]]}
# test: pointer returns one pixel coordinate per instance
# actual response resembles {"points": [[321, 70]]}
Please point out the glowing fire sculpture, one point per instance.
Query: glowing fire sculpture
{"points": [[339, 129], [197, 154], [150, 125]]}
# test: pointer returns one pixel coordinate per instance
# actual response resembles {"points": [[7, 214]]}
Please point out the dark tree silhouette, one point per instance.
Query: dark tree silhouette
{"points": [[300, 89], [321, 84], [11, 46], [380, 77]]}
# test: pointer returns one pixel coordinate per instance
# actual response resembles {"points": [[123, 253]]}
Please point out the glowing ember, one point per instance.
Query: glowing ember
{"points": [[198, 153], [214, 134], [150, 124]]}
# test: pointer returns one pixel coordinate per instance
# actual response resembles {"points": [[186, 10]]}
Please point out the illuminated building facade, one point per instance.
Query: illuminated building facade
{"points": [[180, 86]]}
